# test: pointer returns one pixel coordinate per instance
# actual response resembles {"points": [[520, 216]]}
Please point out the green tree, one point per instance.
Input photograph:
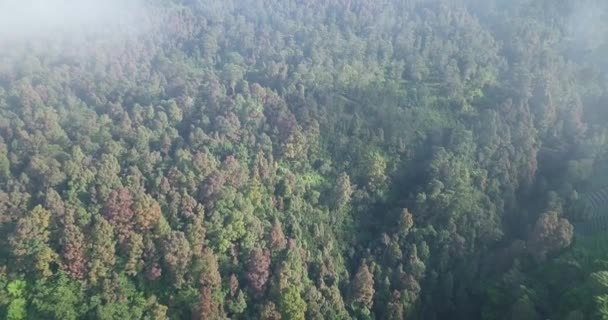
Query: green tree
{"points": [[17, 307], [59, 298], [30, 242], [177, 257], [102, 253]]}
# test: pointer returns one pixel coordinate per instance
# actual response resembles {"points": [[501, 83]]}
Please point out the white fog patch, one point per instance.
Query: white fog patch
{"points": [[588, 24], [45, 18]]}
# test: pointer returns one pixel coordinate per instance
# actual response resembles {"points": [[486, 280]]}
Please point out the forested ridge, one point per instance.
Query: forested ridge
{"points": [[308, 159]]}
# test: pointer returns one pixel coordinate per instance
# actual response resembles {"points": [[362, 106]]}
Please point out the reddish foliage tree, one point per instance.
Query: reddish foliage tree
{"points": [[146, 212], [118, 211], [277, 239], [235, 173], [212, 188], [551, 233], [233, 285], [151, 260], [394, 307], [164, 185], [190, 208], [258, 270], [73, 247], [406, 221], [363, 286], [209, 307], [206, 309], [153, 272]]}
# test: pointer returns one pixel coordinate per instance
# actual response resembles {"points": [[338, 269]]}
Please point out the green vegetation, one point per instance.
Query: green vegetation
{"points": [[307, 159]]}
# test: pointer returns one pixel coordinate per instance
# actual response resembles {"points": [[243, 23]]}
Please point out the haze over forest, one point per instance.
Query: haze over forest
{"points": [[304, 159]]}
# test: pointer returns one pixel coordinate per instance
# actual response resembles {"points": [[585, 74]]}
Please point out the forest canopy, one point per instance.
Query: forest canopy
{"points": [[304, 159]]}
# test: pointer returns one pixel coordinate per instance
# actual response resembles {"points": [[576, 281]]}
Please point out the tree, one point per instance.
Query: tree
{"points": [[118, 211], [177, 257], [151, 260], [102, 254], [394, 309], [196, 233], [73, 248], [363, 286], [277, 143], [60, 298], [146, 212], [17, 307], [107, 176], [269, 312], [291, 304], [374, 167], [30, 242], [258, 266], [342, 192], [406, 222], [155, 310], [119, 298], [550, 234], [276, 238], [206, 309], [210, 304], [54, 203], [289, 284], [135, 249], [524, 309]]}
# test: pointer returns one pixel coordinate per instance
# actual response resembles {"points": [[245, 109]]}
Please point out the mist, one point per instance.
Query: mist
{"points": [[587, 24], [586, 34], [26, 19]]}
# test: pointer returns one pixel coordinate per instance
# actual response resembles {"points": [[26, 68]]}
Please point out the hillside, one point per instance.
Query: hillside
{"points": [[304, 159]]}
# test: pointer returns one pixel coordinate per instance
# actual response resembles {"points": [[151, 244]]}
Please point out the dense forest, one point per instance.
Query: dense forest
{"points": [[307, 159]]}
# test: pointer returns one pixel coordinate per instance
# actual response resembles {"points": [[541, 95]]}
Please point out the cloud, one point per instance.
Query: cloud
{"points": [[587, 25], [45, 18]]}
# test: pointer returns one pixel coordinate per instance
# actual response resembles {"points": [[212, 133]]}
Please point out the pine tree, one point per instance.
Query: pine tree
{"points": [[102, 250], [258, 267], [363, 286], [276, 239], [30, 242], [177, 257], [73, 246], [210, 303]]}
